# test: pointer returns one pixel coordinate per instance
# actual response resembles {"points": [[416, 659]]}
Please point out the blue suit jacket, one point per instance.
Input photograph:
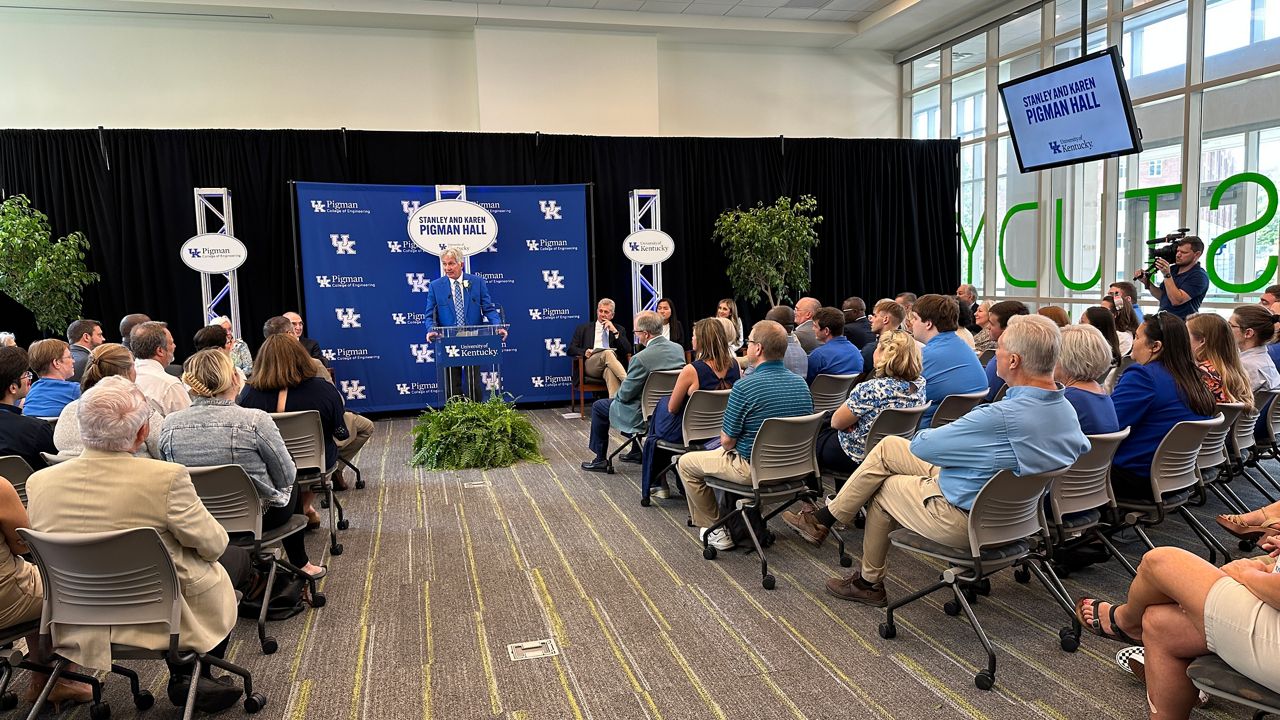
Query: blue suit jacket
{"points": [[475, 300]]}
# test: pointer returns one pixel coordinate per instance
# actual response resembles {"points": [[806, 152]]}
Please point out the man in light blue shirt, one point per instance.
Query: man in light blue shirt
{"points": [[835, 355], [950, 365], [929, 484]]}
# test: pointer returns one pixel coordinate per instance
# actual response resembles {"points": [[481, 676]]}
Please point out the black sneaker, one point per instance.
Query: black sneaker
{"points": [[212, 694]]}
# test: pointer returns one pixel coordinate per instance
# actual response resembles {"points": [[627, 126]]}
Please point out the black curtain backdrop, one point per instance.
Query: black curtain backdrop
{"points": [[888, 206]]}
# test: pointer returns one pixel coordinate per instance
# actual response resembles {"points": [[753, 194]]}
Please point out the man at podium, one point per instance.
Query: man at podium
{"points": [[454, 300]]}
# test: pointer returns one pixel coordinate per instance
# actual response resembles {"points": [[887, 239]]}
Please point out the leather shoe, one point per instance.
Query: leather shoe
{"points": [[856, 589], [212, 694], [807, 525], [596, 466], [635, 456]]}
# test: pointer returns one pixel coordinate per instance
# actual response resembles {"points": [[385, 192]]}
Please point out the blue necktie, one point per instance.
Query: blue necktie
{"points": [[604, 335], [458, 311]]}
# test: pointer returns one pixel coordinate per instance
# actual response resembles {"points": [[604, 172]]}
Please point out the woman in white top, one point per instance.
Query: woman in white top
{"points": [[106, 360], [728, 309], [1253, 326]]}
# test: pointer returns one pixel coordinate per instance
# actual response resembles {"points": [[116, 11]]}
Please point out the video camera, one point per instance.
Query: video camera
{"points": [[1165, 248]]}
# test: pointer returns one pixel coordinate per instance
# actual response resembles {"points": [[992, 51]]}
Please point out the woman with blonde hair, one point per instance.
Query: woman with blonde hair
{"points": [[895, 382], [728, 309], [106, 360], [1218, 359], [982, 341], [1085, 356]]}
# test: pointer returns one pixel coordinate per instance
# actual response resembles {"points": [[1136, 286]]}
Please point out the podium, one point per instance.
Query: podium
{"points": [[468, 361]]}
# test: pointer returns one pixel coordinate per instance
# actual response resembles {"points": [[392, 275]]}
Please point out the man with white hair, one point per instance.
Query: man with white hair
{"points": [[805, 332], [603, 346], [928, 484], [968, 295], [106, 488], [240, 354], [454, 299]]}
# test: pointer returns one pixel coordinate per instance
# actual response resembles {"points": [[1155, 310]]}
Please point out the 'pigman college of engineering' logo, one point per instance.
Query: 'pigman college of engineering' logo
{"points": [[544, 245], [418, 282], [555, 347], [348, 316], [408, 318], [342, 244], [337, 206], [417, 388], [354, 390], [553, 279], [403, 246], [550, 209], [422, 353], [492, 381], [343, 281]]}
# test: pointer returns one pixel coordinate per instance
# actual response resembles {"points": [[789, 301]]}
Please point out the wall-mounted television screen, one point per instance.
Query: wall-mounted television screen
{"points": [[1072, 112]]}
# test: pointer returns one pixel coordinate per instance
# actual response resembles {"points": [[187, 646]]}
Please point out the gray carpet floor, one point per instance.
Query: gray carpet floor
{"points": [[441, 571]]}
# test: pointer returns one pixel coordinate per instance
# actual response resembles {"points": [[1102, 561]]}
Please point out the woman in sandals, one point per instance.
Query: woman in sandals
{"points": [[1181, 607]]}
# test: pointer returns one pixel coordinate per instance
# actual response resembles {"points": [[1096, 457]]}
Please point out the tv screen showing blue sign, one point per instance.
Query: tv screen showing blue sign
{"points": [[1070, 113], [365, 284]]}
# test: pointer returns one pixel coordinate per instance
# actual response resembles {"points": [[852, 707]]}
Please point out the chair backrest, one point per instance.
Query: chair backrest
{"points": [[121, 577], [953, 407], [304, 437], [657, 387], [986, 356], [230, 497], [1242, 435], [1086, 485], [785, 449], [1173, 467], [830, 391], [894, 421], [1008, 508], [1213, 451], [16, 470], [1271, 423], [703, 415], [55, 459], [1004, 389]]}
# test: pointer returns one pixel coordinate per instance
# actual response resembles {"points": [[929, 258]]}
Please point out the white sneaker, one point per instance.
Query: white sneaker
{"points": [[662, 493], [719, 539]]}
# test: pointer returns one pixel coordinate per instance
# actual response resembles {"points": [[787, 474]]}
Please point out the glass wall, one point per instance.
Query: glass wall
{"points": [[1204, 76]]}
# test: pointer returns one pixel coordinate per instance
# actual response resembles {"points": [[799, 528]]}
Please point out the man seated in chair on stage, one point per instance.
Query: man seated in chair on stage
{"points": [[603, 346], [457, 299], [769, 391], [623, 411], [928, 484]]}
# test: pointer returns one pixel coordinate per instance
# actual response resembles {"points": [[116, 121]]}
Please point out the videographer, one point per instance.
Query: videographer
{"points": [[1185, 282]]}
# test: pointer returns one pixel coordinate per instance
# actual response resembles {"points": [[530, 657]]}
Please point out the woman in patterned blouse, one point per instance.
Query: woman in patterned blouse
{"points": [[1219, 359]]}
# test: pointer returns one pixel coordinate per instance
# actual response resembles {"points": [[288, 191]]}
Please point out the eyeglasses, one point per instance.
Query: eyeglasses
{"points": [[750, 341], [1234, 326]]}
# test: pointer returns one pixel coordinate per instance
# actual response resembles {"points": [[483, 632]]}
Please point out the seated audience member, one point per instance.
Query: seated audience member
{"points": [[1056, 314], [1270, 300], [671, 327], [1127, 321], [215, 337], [712, 369], [728, 309], [928, 484], [8, 340], [1218, 359], [964, 319], [127, 324], [770, 391], [796, 359], [153, 347], [1083, 359], [20, 435], [216, 431], [623, 411], [982, 341], [51, 360], [1105, 322], [1124, 294], [284, 380], [805, 330], [280, 325], [83, 336], [1253, 326], [106, 360], [998, 316], [968, 296], [603, 345], [1254, 525], [950, 367], [857, 326], [239, 348], [888, 315], [835, 355], [1161, 389], [107, 488], [1181, 607], [311, 346], [895, 382], [907, 300]]}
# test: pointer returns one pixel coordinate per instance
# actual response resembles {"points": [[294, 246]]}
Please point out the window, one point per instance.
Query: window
{"points": [[926, 69], [1067, 16], [1154, 47], [1240, 35], [969, 106], [925, 115], [1020, 33], [1142, 193], [1016, 68], [974, 228], [969, 54], [1155, 168], [1016, 225]]}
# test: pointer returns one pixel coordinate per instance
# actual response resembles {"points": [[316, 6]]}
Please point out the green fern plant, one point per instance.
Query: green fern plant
{"points": [[466, 434]]}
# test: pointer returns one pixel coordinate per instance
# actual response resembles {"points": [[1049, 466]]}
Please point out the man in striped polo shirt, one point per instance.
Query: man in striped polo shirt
{"points": [[769, 391]]}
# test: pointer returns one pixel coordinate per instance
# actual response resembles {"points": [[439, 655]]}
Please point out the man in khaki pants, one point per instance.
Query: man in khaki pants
{"points": [[600, 344], [929, 484]]}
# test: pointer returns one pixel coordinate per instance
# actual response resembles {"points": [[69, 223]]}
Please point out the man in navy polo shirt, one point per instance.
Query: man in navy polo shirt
{"points": [[835, 355], [950, 365], [1185, 282]]}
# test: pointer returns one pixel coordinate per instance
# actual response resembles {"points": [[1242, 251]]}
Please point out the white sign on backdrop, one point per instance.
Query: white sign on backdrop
{"points": [[213, 253], [648, 247], [442, 224]]}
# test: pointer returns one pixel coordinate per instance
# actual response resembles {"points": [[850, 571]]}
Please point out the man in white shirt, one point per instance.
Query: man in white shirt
{"points": [[604, 347], [153, 347]]}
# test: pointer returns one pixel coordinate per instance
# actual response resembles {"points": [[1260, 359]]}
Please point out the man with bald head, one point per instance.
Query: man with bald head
{"points": [[806, 333], [796, 360], [769, 391], [311, 346]]}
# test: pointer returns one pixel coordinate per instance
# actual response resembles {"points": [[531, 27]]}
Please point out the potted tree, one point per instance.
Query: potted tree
{"points": [[44, 275], [769, 247]]}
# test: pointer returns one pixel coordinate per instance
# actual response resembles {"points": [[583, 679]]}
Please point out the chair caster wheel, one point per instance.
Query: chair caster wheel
{"points": [[983, 586], [970, 594], [609, 470], [8, 701], [344, 524], [359, 484], [951, 607], [709, 552], [99, 711], [144, 700], [846, 561], [336, 549], [255, 702], [768, 582], [269, 646], [985, 680], [887, 631], [318, 600], [645, 501], [1022, 575], [1068, 640]]}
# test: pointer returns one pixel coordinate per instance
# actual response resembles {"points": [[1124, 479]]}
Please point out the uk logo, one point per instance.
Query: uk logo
{"points": [[343, 244], [353, 389], [348, 317], [492, 381], [402, 388], [453, 351], [531, 244], [535, 314], [329, 355], [323, 281], [410, 206], [553, 279], [422, 353], [550, 209], [394, 246], [317, 206], [195, 252], [538, 381], [635, 246], [555, 347], [1055, 147], [418, 282], [399, 319]]}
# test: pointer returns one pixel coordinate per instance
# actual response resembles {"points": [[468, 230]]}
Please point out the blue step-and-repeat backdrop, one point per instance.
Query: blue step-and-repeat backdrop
{"points": [[365, 284]]}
